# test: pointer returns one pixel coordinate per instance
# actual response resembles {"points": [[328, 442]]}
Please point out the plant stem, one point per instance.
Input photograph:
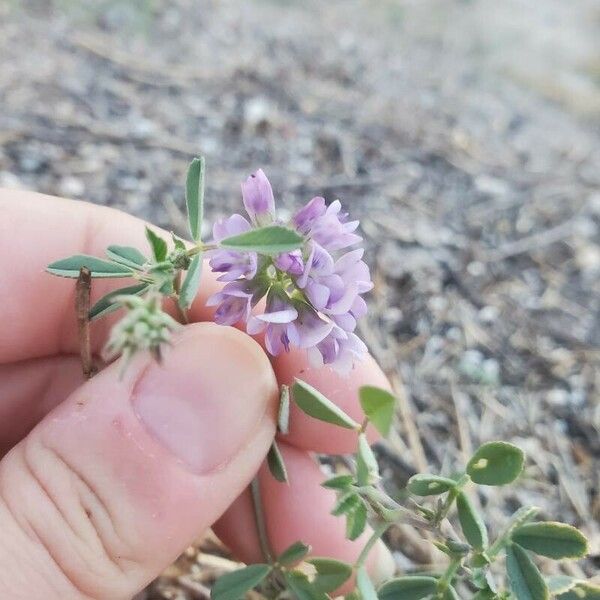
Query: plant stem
{"points": [[261, 525], [377, 533], [446, 579], [83, 289]]}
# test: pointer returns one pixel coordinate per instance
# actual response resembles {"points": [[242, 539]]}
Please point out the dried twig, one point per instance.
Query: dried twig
{"points": [[83, 289]]}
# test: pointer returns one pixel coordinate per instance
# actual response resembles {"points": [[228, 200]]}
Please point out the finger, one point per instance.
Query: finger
{"points": [[37, 308], [300, 511], [113, 484]]}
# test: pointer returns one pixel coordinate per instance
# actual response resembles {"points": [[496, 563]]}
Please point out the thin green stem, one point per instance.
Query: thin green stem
{"points": [[261, 525], [182, 313], [446, 579], [377, 533]]}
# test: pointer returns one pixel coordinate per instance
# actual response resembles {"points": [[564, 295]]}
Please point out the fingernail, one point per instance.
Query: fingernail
{"points": [[208, 396]]}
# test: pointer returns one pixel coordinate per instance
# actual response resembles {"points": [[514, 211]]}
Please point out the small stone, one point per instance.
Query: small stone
{"points": [[488, 314], [71, 187]]}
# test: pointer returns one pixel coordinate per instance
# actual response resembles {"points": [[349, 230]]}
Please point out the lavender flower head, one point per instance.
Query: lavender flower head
{"points": [[313, 294]]}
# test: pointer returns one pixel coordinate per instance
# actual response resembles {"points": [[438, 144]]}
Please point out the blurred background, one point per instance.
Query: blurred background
{"points": [[464, 134]]}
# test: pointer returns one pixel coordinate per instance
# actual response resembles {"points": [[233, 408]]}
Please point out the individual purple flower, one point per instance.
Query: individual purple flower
{"points": [[275, 322], [290, 262], [328, 226], [234, 303], [231, 263], [257, 195]]}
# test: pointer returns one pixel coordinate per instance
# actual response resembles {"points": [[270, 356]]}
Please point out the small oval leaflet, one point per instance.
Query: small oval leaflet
{"points": [[273, 239], [378, 405], [107, 303], [157, 244], [367, 470], [356, 521], [526, 582], [338, 482], [191, 283], [233, 586], [70, 267], [554, 540], [582, 590], [276, 463], [295, 553], [496, 463], [408, 588], [194, 196], [423, 484], [315, 405], [127, 255], [471, 522], [302, 588], [331, 573]]}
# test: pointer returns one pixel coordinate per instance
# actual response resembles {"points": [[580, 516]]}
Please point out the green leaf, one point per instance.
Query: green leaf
{"points": [[526, 582], [295, 553], [283, 416], [496, 463], [367, 470], [301, 587], [194, 196], [583, 590], [356, 522], [106, 304], [126, 255], [346, 503], [378, 406], [339, 482], [331, 573], [233, 586], [273, 239], [471, 522], [365, 585], [70, 267], [158, 245], [560, 584], [315, 405], [412, 587], [276, 463], [423, 484], [554, 540], [191, 283]]}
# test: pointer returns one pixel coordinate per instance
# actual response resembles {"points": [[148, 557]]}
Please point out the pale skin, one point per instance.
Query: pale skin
{"points": [[103, 483]]}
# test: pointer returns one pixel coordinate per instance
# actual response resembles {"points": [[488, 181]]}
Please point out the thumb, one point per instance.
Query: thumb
{"points": [[113, 484]]}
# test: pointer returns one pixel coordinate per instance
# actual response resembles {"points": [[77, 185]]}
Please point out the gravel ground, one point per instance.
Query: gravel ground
{"points": [[463, 133]]}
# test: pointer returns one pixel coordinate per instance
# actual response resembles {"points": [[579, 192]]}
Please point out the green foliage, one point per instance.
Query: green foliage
{"points": [[471, 522], [283, 416], [582, 590], [128, 256], [273, 239], [378, 406], [302, 588], [554, 540], [234, 586], [365, 585], [191, 283], [107, 303], [412, 587], [526, 582], [429, 485], [194, 197], [316, 405], [293, 554], [331, 573], [276, 463], [367, 470], [496, 463], [157, 245], [70, 267], [356, 521], [339, 482]]}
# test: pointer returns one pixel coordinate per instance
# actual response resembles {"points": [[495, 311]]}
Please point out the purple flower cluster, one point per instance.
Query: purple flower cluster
{"points": [[313, 294]]}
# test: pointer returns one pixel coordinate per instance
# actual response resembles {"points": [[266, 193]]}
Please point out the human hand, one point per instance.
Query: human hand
{"points": [[103, 483]]}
